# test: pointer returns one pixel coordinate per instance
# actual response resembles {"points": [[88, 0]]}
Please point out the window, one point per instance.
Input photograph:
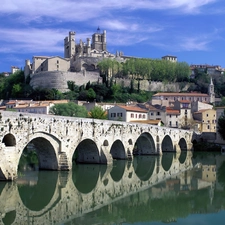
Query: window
{"points": [[176, 123], [135, 115], [158, 113], [208, 127], [140, 116], [170, 116], [170, 123], [143, 116], [113, 114], [132, 115], [207, 115], [152, 113]]}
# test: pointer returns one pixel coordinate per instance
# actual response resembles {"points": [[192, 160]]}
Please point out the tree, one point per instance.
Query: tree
{"points": [[221, 125], [69, 109], [98, 113], [16, 90], [91, 94]]}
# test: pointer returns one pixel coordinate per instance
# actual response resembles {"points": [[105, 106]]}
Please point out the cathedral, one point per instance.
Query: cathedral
{"points": [[77, 56]]}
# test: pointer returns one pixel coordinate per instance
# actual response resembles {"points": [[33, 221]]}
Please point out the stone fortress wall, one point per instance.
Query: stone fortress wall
{"points": [[59, 79]]}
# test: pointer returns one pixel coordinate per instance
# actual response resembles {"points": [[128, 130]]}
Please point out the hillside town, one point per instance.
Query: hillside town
{"points": [[194, 110]]}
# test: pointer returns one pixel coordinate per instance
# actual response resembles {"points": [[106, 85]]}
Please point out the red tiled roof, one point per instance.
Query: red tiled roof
{"points": [[176, 94], [185, 101], [172, 111], [133, 108]]}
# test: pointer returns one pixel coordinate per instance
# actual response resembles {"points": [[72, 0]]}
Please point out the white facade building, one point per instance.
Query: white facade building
{"points": [[127, 113]]}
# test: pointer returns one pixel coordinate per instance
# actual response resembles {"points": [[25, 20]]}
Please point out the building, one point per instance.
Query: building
{"points": [[127, 113], [14, 69], [185, 119], [30, 106], [206, 119], [170, 58], [205, 68], [168, 98], [172, 116], [197, 106], [77, 56], [155, 113]]}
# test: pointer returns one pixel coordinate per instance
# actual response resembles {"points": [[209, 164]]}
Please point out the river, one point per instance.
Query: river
{"points": [[179, 189]]}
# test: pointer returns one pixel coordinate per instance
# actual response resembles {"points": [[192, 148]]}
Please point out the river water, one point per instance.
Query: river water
{"points": [[174, 188]]}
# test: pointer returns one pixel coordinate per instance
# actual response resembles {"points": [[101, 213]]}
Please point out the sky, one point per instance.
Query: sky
{"points": [[192, 30]]}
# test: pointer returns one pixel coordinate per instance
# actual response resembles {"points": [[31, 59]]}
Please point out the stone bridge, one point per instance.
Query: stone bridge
{"points": [[59, 140], [69, 195]]}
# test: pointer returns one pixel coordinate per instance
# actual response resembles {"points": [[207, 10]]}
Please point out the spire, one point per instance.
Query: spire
{"points": [[98, 30], [211, 82]]}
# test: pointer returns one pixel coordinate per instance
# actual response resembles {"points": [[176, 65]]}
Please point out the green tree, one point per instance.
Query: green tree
{"points": [[98, 113], [69, 109], [16, 90], [91, 94], [221, 125]]}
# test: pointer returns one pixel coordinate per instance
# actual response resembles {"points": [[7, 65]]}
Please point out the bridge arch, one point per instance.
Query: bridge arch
{"points": [[46, 148], [167, 144], [87, 152], [144, 145], [117, 150], [9, 140], [183, 144]]}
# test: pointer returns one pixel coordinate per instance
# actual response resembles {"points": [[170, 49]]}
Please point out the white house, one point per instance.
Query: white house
{"points": [[127, 113]]}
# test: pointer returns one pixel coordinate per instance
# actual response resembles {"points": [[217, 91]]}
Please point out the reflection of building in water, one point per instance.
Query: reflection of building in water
{"points": [[209, 173]]}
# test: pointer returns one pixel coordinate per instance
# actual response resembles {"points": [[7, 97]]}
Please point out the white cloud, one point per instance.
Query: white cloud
{"points": [[31, 40], [69, 10], [194, 44]]}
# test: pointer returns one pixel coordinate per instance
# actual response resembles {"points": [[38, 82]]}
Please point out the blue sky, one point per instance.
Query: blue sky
{"points": [[192, 30]]}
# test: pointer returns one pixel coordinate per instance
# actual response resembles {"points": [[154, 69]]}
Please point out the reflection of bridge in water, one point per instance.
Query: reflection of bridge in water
{"points": [[64, 196]]}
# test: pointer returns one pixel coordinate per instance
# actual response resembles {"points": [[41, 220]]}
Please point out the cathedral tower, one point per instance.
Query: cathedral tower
{"points": [[211, 92], [69, 45], [99, 41]]}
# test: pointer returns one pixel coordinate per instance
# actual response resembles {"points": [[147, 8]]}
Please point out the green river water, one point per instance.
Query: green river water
{"points": [[186, 188]]}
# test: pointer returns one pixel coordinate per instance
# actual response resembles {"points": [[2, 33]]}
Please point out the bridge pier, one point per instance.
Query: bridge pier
{"points": [[177, 148], [158, 148], [8, 163], [105, 156]]}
